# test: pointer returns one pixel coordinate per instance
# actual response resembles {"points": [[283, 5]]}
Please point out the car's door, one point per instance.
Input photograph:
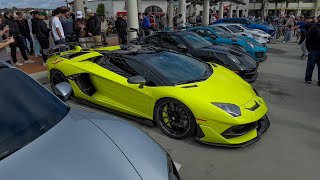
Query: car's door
{"points": [[113, 89]]}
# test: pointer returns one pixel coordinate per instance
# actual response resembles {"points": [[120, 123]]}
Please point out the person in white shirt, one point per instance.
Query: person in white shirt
{"points": [[180, 22], [57, 28]]}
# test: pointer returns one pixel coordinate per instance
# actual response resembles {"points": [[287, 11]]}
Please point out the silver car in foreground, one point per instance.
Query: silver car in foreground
{"points": [[42, 138]]}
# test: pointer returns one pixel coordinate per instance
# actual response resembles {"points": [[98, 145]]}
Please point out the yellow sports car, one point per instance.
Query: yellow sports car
{"points": [[182, 95]]}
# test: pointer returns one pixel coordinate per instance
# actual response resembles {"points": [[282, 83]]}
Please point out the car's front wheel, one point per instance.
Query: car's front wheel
{"points": [[174, 118], [56, 77]]}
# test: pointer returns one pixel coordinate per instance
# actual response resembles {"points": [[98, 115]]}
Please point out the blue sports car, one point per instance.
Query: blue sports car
{"points": [[217, 35], [249, 24]]}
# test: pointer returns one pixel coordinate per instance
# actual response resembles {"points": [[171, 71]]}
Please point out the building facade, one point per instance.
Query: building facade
{"points": [[115, 7]]}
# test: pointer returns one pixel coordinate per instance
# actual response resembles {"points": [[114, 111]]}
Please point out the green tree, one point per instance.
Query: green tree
{"points": [[100, 9]]}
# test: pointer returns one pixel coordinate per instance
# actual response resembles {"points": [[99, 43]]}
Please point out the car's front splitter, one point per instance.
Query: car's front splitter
{"points": [[263, 125]]}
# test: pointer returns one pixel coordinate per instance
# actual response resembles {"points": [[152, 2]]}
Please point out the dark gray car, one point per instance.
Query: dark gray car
{"points": [[42, 138], [232, 57]]}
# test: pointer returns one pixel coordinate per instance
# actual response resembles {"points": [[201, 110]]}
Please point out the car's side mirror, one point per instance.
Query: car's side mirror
{"points": [[137, 80], [182, 47], [63, 90]]}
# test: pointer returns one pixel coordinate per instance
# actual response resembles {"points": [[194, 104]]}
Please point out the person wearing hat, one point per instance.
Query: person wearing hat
{"points": [[94, 26], [80, 26], [43, 36]]}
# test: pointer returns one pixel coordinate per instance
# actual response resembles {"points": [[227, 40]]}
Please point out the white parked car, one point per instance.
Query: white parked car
{"points": [[240, 30]]}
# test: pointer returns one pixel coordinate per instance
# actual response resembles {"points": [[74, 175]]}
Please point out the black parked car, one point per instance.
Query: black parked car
{"points": [[232, 57]]}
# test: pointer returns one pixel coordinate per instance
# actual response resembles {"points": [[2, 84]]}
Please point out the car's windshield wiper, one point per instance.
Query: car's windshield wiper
{"points": [[8, 153]]}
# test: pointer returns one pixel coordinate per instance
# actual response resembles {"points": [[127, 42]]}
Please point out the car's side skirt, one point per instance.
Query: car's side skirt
{"points": [[147, 122]]}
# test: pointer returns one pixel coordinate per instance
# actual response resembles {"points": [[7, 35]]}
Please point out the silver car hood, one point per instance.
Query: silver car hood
{"points": [[76, 148]]}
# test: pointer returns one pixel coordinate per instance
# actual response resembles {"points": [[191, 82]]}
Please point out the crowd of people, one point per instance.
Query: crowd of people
{"points": [[36, 32], [42, 31]]}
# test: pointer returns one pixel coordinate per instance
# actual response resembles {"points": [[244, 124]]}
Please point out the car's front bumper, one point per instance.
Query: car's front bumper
{"points": [[262, 126], [249, 75]]}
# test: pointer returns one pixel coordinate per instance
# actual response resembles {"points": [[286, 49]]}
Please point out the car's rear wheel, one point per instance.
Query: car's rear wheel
{"points": [[174, 118]]}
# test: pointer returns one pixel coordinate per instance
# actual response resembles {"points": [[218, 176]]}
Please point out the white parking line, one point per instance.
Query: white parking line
{"points": [[178, 166]]}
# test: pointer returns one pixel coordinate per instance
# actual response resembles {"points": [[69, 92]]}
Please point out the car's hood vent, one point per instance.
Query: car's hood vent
{"points": [[190, 86]]}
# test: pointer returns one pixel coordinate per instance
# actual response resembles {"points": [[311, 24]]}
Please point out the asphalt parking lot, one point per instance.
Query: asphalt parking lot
{"points": [[290, 149]]}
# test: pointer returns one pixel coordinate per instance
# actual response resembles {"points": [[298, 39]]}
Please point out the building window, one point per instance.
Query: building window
{"points": [[309, 1], [153, 9]]}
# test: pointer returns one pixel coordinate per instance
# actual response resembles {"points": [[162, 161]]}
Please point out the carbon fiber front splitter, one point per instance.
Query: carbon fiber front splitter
{"points": [[263, 125]]}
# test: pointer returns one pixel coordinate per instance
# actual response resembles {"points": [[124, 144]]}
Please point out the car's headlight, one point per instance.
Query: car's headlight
{"points": [[231, 109], [173, 173], [250, 44], [234, 59]]}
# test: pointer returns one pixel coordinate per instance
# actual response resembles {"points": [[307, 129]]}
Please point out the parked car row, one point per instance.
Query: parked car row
{"points": [[189, 83]]}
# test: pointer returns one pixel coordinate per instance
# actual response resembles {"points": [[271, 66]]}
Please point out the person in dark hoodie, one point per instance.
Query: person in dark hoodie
{"points": [[25, 32], [94, 26], [34, 25], [16, 34], [313, 47], [121, 26], [43, 35]]}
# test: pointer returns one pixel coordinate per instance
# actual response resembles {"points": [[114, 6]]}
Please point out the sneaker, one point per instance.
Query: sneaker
{"points": [[308, 82], [18, 64], [29, 61], [44, 64]]}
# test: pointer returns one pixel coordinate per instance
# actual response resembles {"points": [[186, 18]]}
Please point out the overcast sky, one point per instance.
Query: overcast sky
{"points": [[32, 3]]}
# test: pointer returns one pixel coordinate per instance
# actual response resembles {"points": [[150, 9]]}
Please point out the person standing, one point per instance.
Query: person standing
{"points": [[34, 25], [94, 26], [104, 28], [3, 44], [18, 42], [146, 25], [57, 29], [180, 23], [43, 36], [25, 32], [80, 25], [312, 43], [289, 29], [68, 27], [121, 26]]}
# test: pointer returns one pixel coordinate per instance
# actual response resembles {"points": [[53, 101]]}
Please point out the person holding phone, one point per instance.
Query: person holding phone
{"points": [[4, 44], [18, 42]]}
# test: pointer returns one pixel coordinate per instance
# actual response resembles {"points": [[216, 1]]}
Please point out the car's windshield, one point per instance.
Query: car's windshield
{"points": [[196, 41], [178, 68], [234, 29], [244, 27], [27, 110], [222, 33]]}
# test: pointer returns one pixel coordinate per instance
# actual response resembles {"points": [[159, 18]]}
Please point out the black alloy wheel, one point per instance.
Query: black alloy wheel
{"points": [[174, 118]]}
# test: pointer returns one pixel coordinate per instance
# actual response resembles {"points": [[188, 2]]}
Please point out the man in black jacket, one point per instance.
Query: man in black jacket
{"points": [[43, 36], [25, 32], [121, 26], [34, 26], [313, 47], [94, 26], [15, 33]]}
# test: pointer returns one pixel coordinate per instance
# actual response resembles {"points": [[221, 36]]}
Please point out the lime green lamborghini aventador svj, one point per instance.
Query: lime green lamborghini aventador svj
{"points": [[184, 96]]}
